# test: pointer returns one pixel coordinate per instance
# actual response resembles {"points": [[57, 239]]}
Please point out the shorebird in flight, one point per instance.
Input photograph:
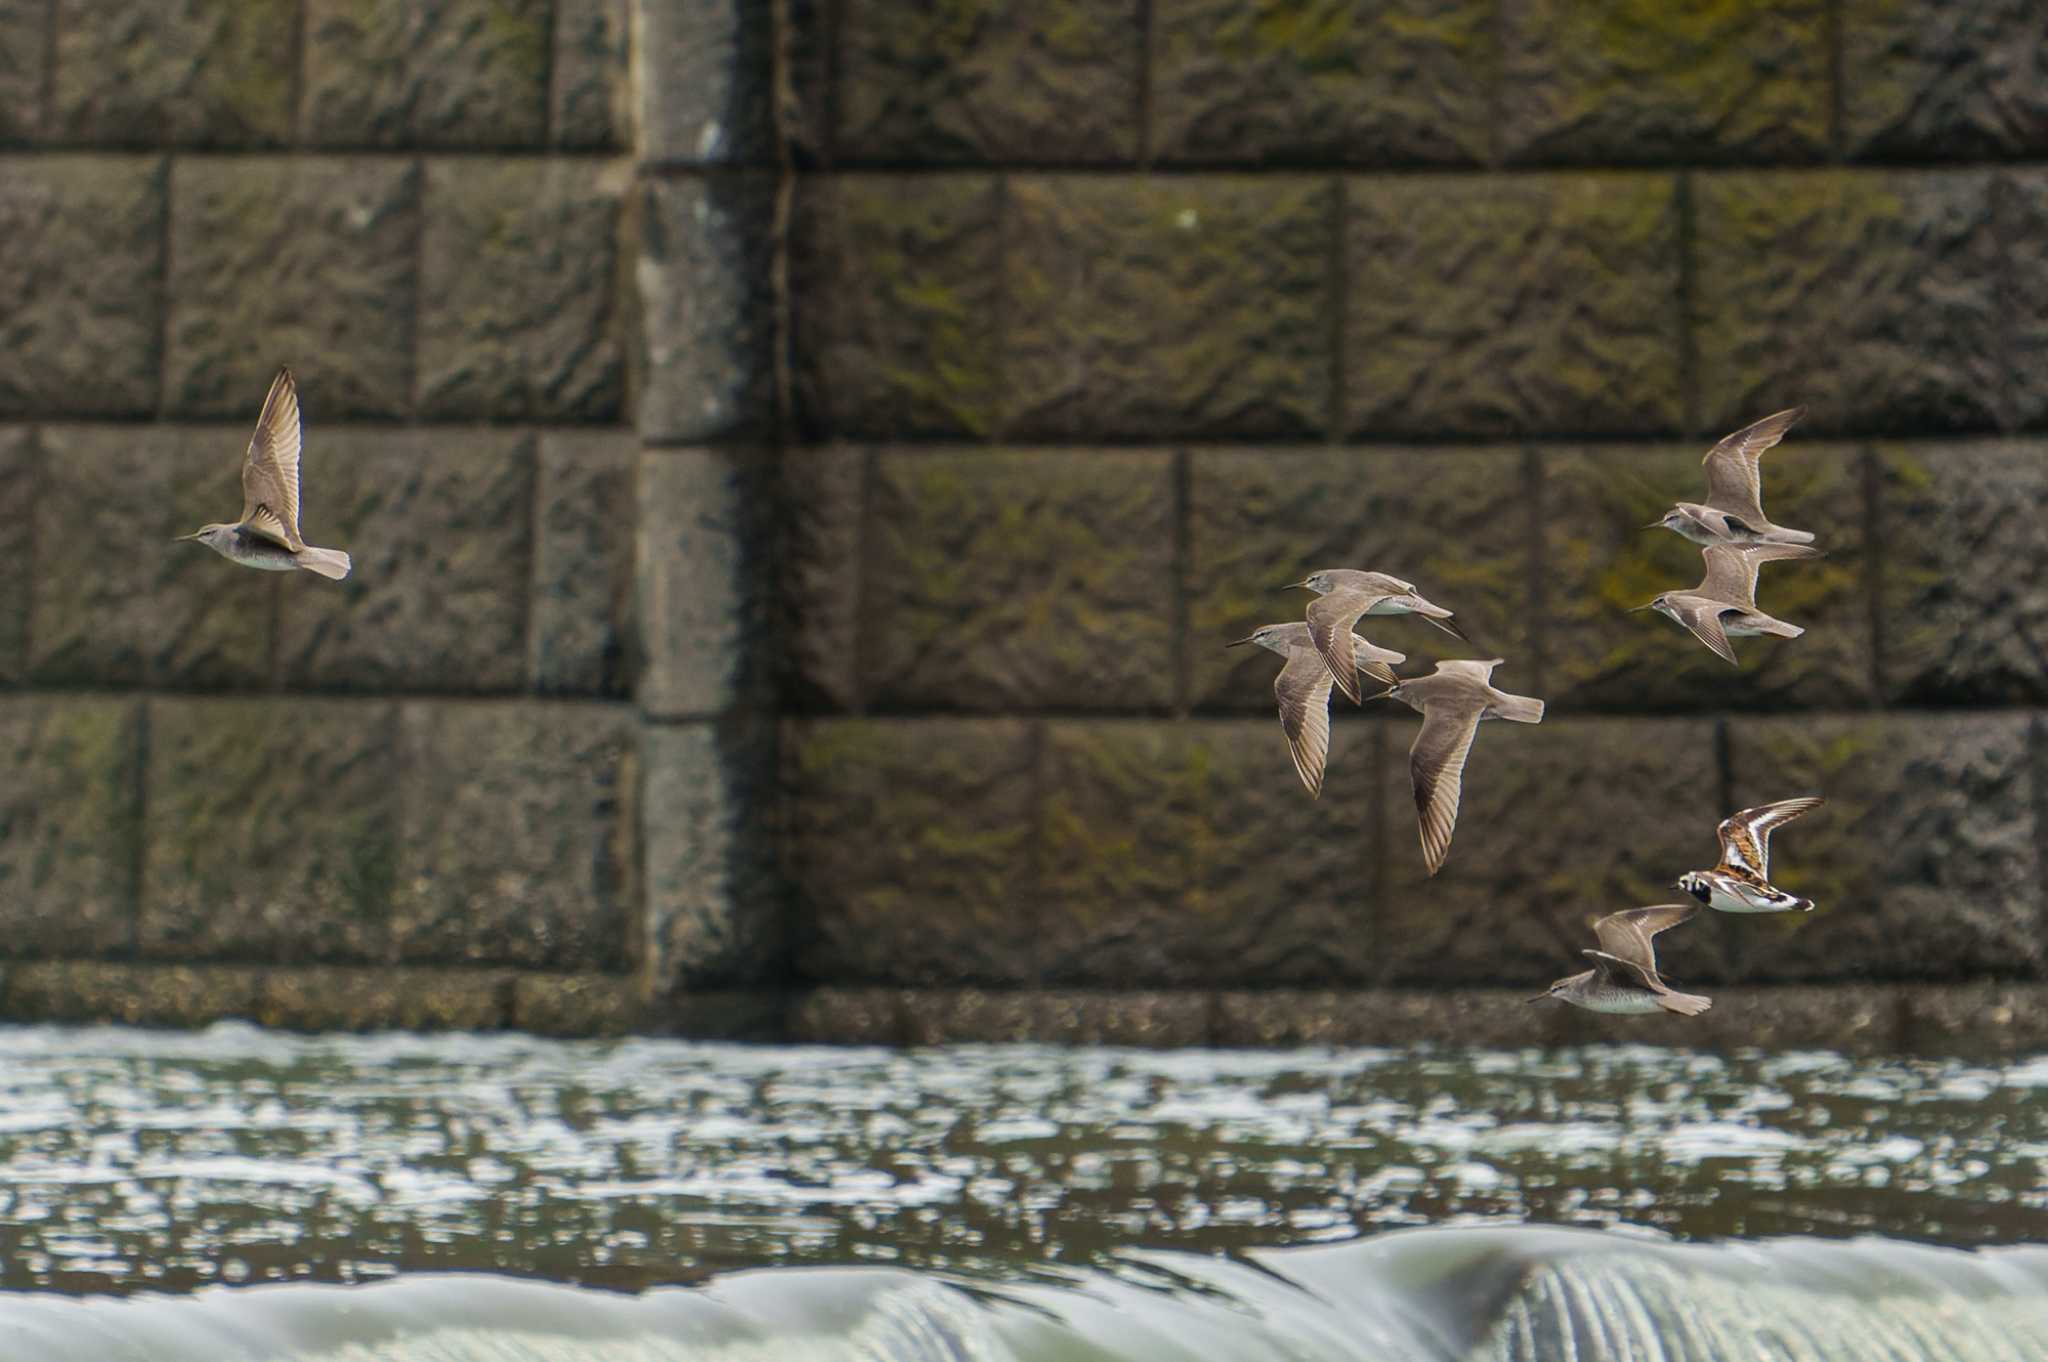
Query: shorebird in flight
{"points": [[1346, 594], [267, 534], [1452, 700], [1723, 605], [1624, 976], [1303, 690], [1741, 882], [1733, 512]]}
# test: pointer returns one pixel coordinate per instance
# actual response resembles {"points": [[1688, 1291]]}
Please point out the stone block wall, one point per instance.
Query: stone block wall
{"points": [[803, 461]]}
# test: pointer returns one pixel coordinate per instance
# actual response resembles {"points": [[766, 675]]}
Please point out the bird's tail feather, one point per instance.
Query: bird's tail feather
{"points": [[1521, 709], [1781, 535], [1684, 1004], [330, 563]]}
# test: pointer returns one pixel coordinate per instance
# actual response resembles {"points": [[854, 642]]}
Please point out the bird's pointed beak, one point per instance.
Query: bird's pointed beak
{"points": [[1654, 525], [1647, 605], [1538, 998], [183, 537], [1291, 585], [1237, 641]]}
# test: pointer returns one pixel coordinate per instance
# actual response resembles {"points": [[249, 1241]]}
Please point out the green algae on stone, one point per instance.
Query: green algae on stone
{"points": [[436, 73], [194, 74], [1931, 80], [68, 829]]}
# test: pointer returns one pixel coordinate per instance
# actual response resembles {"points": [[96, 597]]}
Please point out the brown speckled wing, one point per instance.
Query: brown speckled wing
{"points": [[1746, 836], [1735, 470]]}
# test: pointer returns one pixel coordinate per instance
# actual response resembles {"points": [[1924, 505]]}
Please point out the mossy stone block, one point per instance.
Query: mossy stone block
{"points": [[835, 1015], [301, 260], [1923, 865], [213, 73], [702, 72], [1560, 823], [20, 482], [520, 290], [115, 601], [716, 902], [577, 1004], [590, 88], [1873, 297], [2020, 206], [580, 642], [518, 840], [24, 46], [1179, 854], [1153, 307], [272, 830], [824, 499], [983, 81], [330, 999], [439, 524], [426, 73], [707, 321], [704, 581], [1128, 1017], [911, 850], [1965, 529], [1929, 80], [1494, 305], [1282, 1017], [894, 280], [1459, 523], [1601, 652], [1640, 81], [133, 995], [69, 825], [1321, 80], [1981, 1020], [82, 276], [1037, 578]]}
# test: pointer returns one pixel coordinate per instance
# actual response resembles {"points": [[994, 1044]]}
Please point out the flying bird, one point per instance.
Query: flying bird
{"points": [[1741, 881], [267, 534], [1452, 701], [1303, 690], [1723, 605], [1733, 512], [1624, 976], [1346, 594]]}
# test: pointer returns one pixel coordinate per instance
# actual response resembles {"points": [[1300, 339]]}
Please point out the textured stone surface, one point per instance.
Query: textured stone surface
{"points": [[910, 846], [1964, 606], [82, 278], [1871, 296], [1978, 1019], [1599, 564], [1187, 853], [1173, 306], [115, 601], [384, 1000], [1638, 80], [1924, 78], [213, 73], [1055, 1016], [519, 288], [271, 830], [707, 322], [701, 80], [439, 524], [1041, 578], [2020, 208], [517, 845], [986, 81], [577, 1005], [714, 901], [705, 584], [24, 26], [580, 640], [1459, 523], [134, 995], [69, 825], [1295, 1017], [590, 90], [894, 281], [299, 260], [1560, 823], [1852, 1019], [1924, 864], [823, 500], [435, 73], [1321, 80], [848, 1016], [1528, 303], [20, 483]]}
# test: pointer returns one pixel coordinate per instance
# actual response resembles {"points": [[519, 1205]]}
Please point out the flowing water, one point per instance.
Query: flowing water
{"points": [[1000, 1202]]}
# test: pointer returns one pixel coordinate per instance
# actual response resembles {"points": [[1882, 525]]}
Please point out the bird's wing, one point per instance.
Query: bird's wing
{"points": [[1703, 618], [1627, 933], [1329, 626], [1626, 972], [1735, 468], [1303, 690], [1732, 569], [1436, 768], [1746, 836], [270, 470]]}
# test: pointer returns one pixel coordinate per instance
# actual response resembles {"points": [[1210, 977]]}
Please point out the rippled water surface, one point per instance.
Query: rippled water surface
{"points": [[167, 1160]]}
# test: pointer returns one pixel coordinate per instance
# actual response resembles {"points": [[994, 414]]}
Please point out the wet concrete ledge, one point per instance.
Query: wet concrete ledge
{"points": [[1990, 1018]]}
